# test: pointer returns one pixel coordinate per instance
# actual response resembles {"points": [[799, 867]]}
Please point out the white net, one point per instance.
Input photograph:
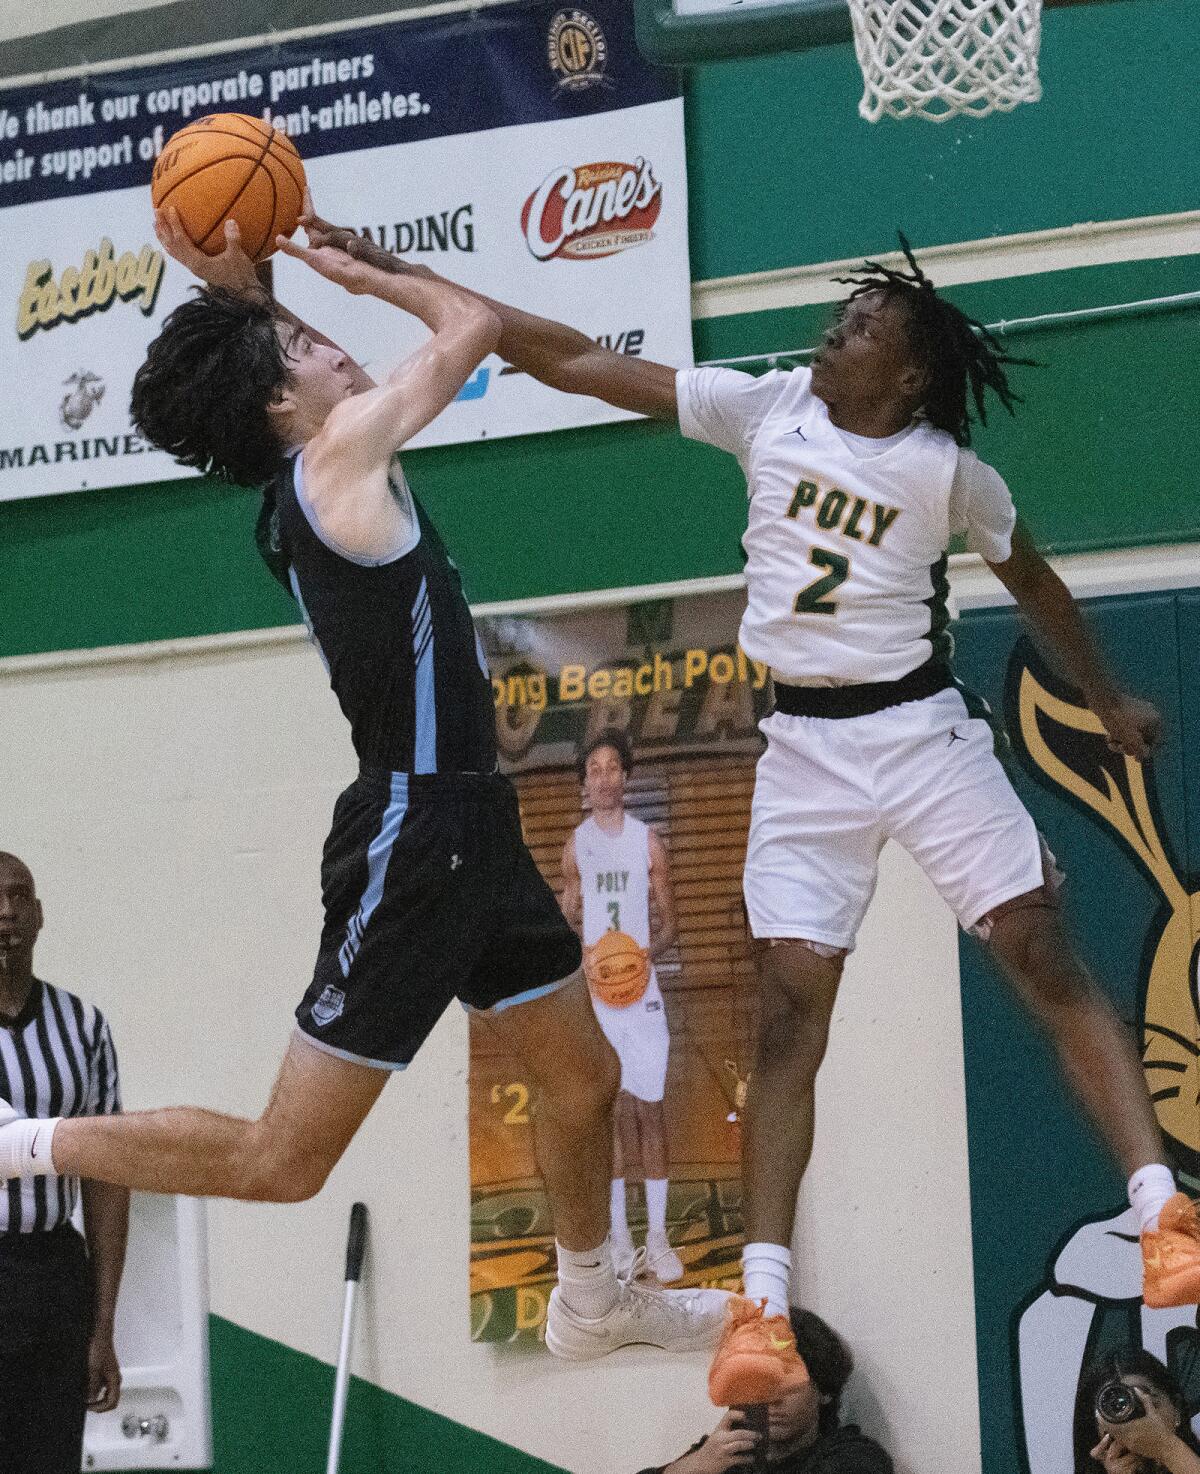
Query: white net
{"points": [[938, 59]]}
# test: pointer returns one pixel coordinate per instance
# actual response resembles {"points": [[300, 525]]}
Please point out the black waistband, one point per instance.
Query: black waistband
{"points": [[839, 702], [431, 783]]}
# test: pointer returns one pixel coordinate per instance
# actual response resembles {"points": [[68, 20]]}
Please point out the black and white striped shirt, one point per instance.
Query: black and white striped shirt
{"points": [[56, 1059]]}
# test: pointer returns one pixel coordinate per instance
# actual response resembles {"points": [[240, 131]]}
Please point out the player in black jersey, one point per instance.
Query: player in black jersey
{"points": [[430, 893]]}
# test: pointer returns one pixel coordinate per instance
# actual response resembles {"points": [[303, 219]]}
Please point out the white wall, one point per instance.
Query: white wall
{"points": [[19, 18], [173, 814]]}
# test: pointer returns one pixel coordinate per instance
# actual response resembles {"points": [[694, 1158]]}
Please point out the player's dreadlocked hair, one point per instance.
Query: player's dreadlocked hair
{"points": [[959, 355]]}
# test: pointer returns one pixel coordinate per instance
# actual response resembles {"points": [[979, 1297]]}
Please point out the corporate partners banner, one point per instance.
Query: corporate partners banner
{"points": [[526, 151], [669, 679]]}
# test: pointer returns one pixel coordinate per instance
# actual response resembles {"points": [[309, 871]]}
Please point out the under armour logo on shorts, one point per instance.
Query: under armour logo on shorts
{"points": [[455, 861], [328, 1006]]}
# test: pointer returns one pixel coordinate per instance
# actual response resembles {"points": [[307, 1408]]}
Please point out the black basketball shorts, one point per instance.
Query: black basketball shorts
{"points": [[430, 895]]}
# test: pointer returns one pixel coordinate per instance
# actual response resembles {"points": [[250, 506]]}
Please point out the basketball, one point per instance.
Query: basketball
{"points": [[230, 166], [617, 969]]}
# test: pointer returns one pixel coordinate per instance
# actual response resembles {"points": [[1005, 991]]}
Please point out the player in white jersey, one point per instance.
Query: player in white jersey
{"points": [[613, 866], [859, 475]]}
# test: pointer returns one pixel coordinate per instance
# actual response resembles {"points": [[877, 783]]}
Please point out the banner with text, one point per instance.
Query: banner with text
{"points": [[656, 855], [527, 152]]}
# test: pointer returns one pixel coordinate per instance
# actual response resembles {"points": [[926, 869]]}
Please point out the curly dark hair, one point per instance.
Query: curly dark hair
{"points": [[202, 393], [828, 1360], [960, 357]]}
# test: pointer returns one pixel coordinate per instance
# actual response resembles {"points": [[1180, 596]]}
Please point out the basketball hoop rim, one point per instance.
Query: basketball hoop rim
{"points": [[668, 39]]}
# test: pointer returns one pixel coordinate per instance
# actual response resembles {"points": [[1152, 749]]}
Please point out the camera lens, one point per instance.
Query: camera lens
{"points": [[1116, 1403]]}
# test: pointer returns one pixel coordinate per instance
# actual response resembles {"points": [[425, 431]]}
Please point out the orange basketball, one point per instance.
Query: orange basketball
{"points": [[230, 166], [617, 969]]}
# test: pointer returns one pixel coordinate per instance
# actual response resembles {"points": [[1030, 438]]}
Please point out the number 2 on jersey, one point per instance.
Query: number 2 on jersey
{"points": [[813, 600]]}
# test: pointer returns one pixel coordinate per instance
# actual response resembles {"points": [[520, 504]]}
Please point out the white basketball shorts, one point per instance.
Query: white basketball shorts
{"points": [[640, 1036], [829, 793]]}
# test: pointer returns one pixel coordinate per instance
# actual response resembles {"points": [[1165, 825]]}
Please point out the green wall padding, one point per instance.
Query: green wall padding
{"points": [[271, 1409], [1102, 454], [782, 168], [781, 171]]}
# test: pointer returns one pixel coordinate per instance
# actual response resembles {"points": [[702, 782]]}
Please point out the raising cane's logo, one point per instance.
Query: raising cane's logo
{"points": [[592, 210]]}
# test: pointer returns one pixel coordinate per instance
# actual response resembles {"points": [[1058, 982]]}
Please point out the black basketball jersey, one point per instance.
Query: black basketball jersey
{"points": [[396, 637]]}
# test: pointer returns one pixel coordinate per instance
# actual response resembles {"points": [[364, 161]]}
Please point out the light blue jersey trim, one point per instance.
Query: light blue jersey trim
{"points": [[527, 997], [308, 624], [400, 489], [357, 1059], [425, 685], [379, 852]]}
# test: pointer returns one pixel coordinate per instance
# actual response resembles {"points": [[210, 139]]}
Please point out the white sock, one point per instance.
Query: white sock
{"points": [[25, 1148], [618, 1214], [656, 1204], [766, 1273], [588, 1280], [1149, 1189]]}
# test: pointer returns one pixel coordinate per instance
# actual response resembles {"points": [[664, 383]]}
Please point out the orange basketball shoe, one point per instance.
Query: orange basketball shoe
{"points": [[756, 1359], [1171, 1256]]}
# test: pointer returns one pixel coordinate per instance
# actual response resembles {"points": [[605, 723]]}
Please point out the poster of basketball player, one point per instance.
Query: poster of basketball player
{"points": [[631, 735]]}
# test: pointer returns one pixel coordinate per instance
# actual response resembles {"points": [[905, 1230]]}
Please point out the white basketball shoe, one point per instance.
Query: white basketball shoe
{"points": [[672, 1320]]}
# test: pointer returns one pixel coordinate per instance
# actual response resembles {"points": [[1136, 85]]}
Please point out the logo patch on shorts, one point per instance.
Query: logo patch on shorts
{"points": [[328, 1006]]}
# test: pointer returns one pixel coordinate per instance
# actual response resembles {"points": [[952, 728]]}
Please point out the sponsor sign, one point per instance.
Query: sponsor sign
{"points": [[578, 214], [521, 156]]}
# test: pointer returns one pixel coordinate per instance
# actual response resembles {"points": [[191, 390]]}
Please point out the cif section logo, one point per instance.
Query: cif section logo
{"points": [[583, 211], [576, 50], [1091, 1291]]}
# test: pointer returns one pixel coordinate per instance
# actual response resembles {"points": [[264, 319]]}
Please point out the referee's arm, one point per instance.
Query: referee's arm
{"points": [[106, 1228]]}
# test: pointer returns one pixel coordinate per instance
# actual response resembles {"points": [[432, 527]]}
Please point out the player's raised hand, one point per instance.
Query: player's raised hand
{"points": [[232, 269], [319, 230], [321, 233], [358, 277], [1133, 726]]}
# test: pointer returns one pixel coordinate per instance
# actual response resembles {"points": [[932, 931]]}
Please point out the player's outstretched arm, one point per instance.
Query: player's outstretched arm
{"points": [[233, 271], [548, 351], [1133, 725], [366, 430]]}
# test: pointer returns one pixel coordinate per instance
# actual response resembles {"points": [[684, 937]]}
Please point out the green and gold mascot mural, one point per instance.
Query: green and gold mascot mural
{"points": [[1092, 1289]]}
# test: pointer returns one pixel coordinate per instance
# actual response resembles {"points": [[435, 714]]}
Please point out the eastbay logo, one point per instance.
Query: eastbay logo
{"points": [[93, 286]]}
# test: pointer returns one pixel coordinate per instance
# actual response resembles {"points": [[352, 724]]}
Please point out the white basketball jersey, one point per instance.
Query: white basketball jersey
{"points": [[614, 874], [846, 554]]}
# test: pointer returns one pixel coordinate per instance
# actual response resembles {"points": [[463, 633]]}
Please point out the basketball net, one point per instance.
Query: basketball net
{"points": [[938, 59]]}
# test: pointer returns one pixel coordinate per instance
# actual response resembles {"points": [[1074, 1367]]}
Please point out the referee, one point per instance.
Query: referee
{"points": [[57, 1296]]}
